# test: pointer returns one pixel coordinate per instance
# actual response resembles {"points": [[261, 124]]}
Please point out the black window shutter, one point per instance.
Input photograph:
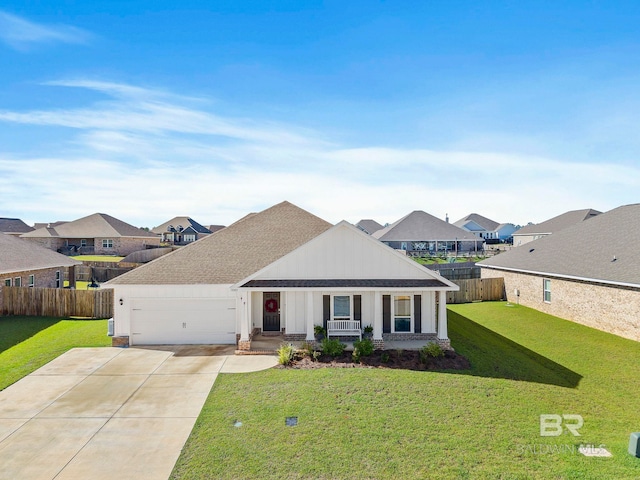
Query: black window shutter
{"points": [[326, 310], [417, 313], [357, 307], [386, 314]]}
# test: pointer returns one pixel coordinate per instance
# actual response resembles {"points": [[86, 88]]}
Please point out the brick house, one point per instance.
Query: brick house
{"points": [[23, 264], [588, 273], [97, 234]]}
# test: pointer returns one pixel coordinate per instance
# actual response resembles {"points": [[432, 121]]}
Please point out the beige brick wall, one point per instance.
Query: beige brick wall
{"points": [[125, 245], [43, 278], [614, 310]]}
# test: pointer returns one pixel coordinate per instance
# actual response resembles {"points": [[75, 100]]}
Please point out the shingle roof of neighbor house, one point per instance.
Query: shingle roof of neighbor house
{"points": [[184, 222], [13, 225], [420, 226], [369, 226], [233, 253], [484, 222], [98, 225], [18, 255], [604, 250], [556, 224]]}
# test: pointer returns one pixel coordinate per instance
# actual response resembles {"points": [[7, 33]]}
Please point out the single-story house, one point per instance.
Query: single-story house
{"points": [[181, 231], [420, 233], [485, 228], [532, 232], [14, 226], [588, 273], [369, 226], [23, 264], [99, 234], [281, 270]]}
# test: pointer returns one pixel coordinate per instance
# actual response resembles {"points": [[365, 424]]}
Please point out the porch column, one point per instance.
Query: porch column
{"points": [[378, 342], [442, 316], [243, 310], [309, 314]]}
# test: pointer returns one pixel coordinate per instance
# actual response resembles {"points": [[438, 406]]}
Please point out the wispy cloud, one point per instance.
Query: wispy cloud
{"points": [[22, 34], [154, 155]]}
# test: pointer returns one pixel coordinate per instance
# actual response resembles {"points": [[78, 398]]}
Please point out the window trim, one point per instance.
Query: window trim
{"points": [[7, 282], [411, 309], [332, 313], [546, 290], [107, 243], [32, 280], [17, 282], [58, 279]]}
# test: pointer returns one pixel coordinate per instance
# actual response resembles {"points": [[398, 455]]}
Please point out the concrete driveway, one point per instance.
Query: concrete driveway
{"points": [[105, 413]]}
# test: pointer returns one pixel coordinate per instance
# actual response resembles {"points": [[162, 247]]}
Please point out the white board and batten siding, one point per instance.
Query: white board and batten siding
{"points": [[175, 314]]}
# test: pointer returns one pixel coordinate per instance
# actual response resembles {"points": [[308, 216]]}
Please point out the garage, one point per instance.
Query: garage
{"points": [[165, 321]]}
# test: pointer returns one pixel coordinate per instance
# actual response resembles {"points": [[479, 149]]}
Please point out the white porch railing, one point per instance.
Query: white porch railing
{"points": [[340, 328]]}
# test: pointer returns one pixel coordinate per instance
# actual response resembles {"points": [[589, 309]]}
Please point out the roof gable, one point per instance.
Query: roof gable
{"points": [[234, 252], [482, 222], [184, 222], [14, 225], [369, 226], [616, 234], [345, 253], [420, 226]]}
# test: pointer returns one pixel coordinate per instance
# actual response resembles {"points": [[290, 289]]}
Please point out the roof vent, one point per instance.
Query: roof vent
{"points": [[531, 250], [614, 259]]}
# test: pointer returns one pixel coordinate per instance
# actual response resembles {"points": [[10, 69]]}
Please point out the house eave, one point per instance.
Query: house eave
{"points": [[560, 275]]}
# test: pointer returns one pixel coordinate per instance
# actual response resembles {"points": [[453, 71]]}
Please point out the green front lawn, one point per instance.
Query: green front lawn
{"points": [[27, 343], [97, 258], [481, 423]]}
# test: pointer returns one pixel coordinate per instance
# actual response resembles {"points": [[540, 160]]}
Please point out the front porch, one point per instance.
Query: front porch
{"points": [[268, 344]]}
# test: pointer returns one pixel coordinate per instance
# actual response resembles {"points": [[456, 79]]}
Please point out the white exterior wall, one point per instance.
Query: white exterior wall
{"points": [[256, 310], [122, 313]]}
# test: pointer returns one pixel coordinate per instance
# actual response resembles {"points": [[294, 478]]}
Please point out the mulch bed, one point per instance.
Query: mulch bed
{"points": [[405, 359]]}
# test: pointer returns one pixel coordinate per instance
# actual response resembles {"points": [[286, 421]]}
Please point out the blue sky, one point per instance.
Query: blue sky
{"points": [[518, 111]]}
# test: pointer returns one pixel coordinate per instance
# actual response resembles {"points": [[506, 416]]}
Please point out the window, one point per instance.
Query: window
{"points": [[546, 286], [107, 243], [341, 307], [189, 238], [58, 278], [17, 282], [32, 280], [7, 282], [83, 242], [402, 313]]}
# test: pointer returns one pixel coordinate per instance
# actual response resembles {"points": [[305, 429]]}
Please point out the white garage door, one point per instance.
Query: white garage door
{"points": [[160, 321]]}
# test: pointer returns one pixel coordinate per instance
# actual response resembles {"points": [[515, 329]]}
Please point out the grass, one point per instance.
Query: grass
{"points": [[481, 423], [27, 343], [445, 260], [97, 258]]}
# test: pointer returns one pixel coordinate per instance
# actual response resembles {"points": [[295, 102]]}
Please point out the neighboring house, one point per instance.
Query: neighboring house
{"points": [[215, 228], [485, 228], [281, 270], [420, 234], [14, 226], [588, 272], [23, 264], [181, 231], [533, 232], [369, 226], [98, 234]]}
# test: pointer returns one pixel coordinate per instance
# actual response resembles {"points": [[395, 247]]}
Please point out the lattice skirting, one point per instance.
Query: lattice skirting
{"points": [[410, 336]]}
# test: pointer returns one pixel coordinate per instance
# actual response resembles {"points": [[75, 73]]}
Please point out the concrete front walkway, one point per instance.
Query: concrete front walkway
{"points": [[104, 413]]}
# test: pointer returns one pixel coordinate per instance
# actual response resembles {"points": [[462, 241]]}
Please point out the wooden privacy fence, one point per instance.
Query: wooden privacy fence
{"points": [[478, 290], [57, 302]]}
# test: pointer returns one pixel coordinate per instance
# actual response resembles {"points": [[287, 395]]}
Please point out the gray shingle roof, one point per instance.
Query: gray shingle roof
{"points": [[369, 226], [604, 249], [348, 283], [484, 222], [420, 226], [18, 255], [184, 222], [556, 224], [233, 253], [98, 225], [13, 225]]}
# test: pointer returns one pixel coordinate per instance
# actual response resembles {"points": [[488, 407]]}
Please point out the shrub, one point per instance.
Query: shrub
{"points": [[368, 329], [285, 354], [431, 350], [363, 347], [385, 357], [307, 348], [332, 347]]}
